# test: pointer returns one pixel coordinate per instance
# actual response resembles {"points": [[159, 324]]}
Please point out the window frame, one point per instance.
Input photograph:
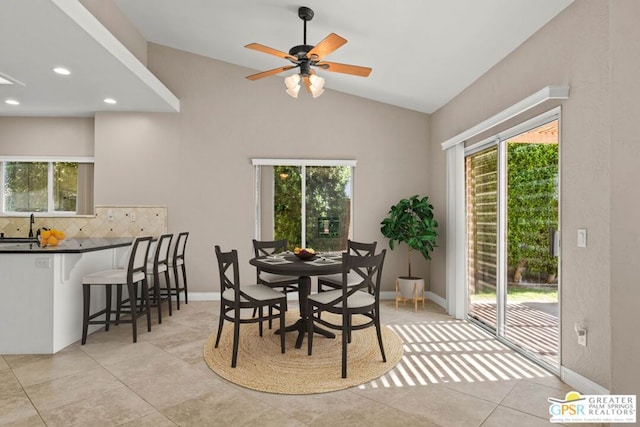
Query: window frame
{"points": [[302, 163], [40, 159]]}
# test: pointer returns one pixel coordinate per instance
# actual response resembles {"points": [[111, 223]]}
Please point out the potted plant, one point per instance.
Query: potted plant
{"points": [[411, 221]]}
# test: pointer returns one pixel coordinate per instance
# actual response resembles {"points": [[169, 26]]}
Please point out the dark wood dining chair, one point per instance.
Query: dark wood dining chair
{"points": [[334, 281], [275, 281], [235, 297], [271, 247], [361, 298]]}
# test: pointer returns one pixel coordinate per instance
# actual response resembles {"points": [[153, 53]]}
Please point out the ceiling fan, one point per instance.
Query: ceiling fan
{"points": [[305, 57]]}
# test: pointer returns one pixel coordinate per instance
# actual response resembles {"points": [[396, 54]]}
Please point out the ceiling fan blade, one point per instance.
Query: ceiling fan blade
{"points": [[344, 68], [325, 47], [266, 49], [270, 72]]}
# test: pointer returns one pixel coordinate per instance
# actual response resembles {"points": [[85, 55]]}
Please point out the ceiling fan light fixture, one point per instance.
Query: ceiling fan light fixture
{"points": [[315, 92], [293, 91], [292, 81], [316, 81]]}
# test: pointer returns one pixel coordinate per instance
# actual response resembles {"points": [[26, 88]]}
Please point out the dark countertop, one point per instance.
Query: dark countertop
{"points": [[66, 246]]}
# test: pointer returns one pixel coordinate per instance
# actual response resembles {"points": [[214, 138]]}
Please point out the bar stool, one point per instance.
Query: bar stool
{"points": [[131, 276], [177, 263], [160, 265]]}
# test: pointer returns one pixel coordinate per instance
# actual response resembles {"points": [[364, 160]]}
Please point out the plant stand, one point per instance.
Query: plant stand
{"points": [[410, 288]]}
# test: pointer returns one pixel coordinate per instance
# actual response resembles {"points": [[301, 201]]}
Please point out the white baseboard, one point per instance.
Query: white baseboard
{"points": [[204, 296], [437, 299], [215, 296], [580, 383], [386, 295]]}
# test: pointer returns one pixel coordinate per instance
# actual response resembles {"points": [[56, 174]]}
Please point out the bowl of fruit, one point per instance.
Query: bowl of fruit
{"points": [[304, 253], [51, 237]]}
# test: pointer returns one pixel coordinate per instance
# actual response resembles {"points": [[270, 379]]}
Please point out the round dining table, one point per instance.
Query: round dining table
{"points": [[291, 265]]}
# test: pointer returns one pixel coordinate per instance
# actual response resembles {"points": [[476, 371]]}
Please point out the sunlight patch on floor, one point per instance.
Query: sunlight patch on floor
{"points": [[453, 351]]}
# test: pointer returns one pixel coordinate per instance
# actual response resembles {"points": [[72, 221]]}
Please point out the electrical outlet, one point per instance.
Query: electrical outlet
{"points": [[132, 217], [43, 262], [581, 331], [582, 338]]}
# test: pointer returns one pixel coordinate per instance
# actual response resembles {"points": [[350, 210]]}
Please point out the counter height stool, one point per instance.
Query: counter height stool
{"points": [[159, 265], [132, 275], [176, 263]]}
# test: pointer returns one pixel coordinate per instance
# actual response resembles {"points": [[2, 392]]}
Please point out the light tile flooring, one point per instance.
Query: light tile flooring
{"points": [[450, 376]]}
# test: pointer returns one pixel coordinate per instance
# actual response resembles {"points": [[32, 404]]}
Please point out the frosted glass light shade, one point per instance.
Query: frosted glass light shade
{"points": [[316, 81], [315, 92], [292, 81], [293, 91]]}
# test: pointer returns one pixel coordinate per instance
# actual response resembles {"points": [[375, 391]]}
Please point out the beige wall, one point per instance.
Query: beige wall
{"points": [[46, 136], [198, 162], [625, 196], [578, 48]]}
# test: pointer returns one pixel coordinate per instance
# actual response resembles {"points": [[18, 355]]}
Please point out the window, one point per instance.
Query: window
{"points": [[307, 202], [64, 187]]}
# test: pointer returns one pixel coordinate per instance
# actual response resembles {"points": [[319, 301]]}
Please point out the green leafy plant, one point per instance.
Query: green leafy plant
{"points": [[411, 221], [532, 208]]}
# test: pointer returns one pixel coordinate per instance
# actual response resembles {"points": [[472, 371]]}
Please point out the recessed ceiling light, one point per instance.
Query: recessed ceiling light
{"points": [[62, 71], [11, 102], [110, 101]]}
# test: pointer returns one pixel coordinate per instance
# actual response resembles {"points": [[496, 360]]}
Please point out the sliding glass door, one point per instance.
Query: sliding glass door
{"points": [[512, 237], [482, 234]]}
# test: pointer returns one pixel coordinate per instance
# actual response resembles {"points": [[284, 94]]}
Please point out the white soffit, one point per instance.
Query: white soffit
{"points": [[95, 29], [37, 36]]}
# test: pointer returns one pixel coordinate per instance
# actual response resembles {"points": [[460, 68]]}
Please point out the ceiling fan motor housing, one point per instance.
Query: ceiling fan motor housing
{"points": [[300, 51]]}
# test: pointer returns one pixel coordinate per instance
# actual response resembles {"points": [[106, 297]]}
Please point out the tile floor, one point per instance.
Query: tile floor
{"points": [[163, 381]]}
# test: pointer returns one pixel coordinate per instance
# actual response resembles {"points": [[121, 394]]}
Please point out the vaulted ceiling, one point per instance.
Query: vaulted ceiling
{"points": [[422, 52]]}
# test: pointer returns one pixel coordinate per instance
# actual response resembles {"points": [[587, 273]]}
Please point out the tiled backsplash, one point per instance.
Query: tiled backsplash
{"points": [[108, 221]]}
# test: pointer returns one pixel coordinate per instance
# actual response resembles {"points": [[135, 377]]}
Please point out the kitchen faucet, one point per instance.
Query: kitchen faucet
{"points": [[32, 220]]}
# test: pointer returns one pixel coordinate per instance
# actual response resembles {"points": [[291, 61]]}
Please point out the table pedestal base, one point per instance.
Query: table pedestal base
{"points": [[304, 289], [301, 327]]}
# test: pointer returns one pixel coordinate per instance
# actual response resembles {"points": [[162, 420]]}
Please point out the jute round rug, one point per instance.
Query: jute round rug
{"points": [[261, 366]]}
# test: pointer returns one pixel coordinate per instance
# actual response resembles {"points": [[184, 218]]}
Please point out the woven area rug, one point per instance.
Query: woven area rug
{"points": [[261, 366]]}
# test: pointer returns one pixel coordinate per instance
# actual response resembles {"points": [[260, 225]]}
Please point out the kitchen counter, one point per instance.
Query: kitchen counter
{"points": [[41, 288], [80, 245]]}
